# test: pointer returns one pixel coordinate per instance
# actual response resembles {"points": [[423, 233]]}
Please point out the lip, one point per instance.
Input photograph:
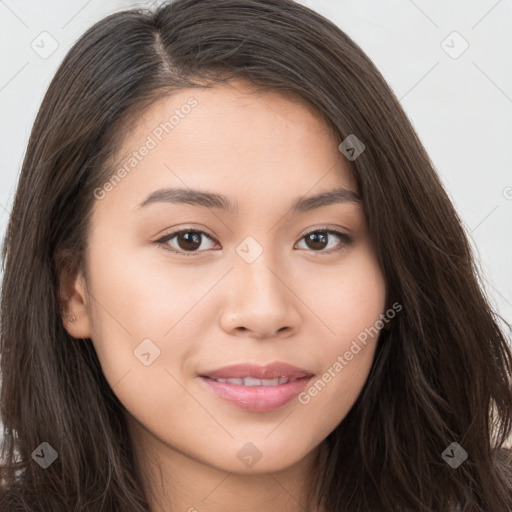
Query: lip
{"points": [[269, 371], [257, 398]]}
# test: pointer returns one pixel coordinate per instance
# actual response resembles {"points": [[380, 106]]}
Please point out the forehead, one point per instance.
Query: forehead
{"points": [[229, 137]]}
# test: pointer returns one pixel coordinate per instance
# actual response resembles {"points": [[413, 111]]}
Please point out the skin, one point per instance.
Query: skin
{"points": [[294, 303]]}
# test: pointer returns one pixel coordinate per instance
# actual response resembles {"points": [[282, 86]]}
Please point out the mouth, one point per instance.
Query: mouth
{"points": [[251, 374], [252, 381], [256, 388]]}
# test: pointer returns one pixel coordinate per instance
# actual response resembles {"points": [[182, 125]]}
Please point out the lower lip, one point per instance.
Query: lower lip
{"points": [[257, 398]]}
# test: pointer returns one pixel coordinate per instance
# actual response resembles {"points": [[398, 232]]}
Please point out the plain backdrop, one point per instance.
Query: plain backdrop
{"points": [[448, 61]]}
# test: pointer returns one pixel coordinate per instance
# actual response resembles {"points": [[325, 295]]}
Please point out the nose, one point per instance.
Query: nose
{"points": [[260, 301]]}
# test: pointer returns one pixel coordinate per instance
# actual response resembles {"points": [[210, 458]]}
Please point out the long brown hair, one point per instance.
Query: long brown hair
{"points": [[441, 373]]}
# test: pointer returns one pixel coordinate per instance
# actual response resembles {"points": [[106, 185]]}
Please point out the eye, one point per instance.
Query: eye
{"points": [[189, 241], [318, 239]]}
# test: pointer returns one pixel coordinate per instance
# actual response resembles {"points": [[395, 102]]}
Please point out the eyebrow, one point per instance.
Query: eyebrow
{"points": [[221, 202]]}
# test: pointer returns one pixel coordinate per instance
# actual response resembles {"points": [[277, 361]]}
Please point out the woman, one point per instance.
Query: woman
{"points": [[233, 281]]}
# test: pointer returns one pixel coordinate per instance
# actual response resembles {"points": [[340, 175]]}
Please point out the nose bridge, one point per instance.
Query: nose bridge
{"points": [[259, 300], [255, 266]]}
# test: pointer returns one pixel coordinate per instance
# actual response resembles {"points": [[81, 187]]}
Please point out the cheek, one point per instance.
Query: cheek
{"points": [[351, 313], [140, 333], [129, 306], [347, 300], [137, 296], [149, 319]]}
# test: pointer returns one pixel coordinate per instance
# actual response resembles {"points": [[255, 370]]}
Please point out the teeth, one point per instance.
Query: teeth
{"points": [[235, 381], [251, 381]]}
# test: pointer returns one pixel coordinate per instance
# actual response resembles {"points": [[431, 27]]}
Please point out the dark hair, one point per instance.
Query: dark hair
{"points": [[441, 374]]}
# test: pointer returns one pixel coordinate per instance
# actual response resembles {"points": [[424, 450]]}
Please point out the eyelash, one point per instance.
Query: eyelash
{"points": [[163, 241]]}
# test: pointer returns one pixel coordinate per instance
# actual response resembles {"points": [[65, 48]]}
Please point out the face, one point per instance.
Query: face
{"points": [[179, 286]]}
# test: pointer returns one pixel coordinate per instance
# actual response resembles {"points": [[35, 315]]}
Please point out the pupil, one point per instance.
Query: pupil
{"points": [[190, 238], [315, 237]]}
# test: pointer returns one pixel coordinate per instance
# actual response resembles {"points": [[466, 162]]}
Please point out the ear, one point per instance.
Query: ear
{"points": [[73, 299]]}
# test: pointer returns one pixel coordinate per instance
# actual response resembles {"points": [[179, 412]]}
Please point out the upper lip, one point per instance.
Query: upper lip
{"points": [[269, 371]]}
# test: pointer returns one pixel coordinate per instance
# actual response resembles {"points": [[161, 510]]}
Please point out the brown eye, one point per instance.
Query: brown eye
{"points": [[188, 241], [318, 240]]}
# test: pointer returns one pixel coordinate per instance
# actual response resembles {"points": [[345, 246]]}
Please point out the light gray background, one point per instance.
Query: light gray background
{"points": [[461, 107]]}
